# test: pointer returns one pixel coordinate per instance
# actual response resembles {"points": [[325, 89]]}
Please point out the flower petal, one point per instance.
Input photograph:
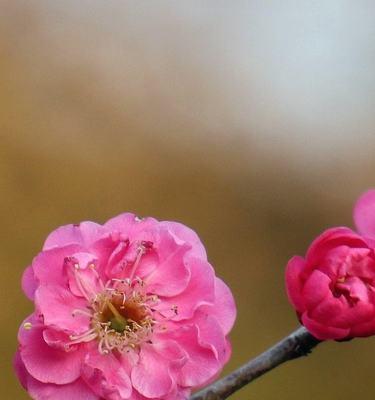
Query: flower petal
{"points": [[364, 214], [294, 283], [315, 289], [329, 239], [323, 332], [129, 225], [331, 311], [106, 376], [362, 264], [83, 234], [224, 307], [172, 275], [57, 305], [179, 393], [202, 363], [362, 313], [185, 234], [48, 266], [84, 279], [77, 390], [210, 335], [48, 364], [57, 339], [151, 376], [363, 329], [29, 282], [199, 292], [20, 369]]}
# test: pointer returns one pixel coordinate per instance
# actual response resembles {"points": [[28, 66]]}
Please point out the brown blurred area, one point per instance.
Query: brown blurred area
{"points": [[202, 113]]}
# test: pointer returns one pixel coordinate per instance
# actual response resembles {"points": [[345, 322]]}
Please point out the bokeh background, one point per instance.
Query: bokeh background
{"points": [[251, 121]]}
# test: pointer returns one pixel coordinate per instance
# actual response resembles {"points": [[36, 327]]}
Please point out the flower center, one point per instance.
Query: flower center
{"points": [[120, 312], [121, 316]]}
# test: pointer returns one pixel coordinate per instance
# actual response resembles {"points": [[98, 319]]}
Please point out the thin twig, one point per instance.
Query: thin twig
{"points": [[297, 344]]}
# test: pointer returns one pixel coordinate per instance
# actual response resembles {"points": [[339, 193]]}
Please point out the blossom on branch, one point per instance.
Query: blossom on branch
{"points": [[333, 287], [126, 310]]}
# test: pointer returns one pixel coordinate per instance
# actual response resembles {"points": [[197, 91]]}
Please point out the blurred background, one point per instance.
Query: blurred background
{"points": [[251, 121]]}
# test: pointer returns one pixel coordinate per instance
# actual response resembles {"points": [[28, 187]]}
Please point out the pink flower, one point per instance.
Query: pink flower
{"points": [[127, 310], [333, 287]]}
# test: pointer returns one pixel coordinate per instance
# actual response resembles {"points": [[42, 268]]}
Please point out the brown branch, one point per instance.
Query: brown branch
{"points": [[297, 344]]}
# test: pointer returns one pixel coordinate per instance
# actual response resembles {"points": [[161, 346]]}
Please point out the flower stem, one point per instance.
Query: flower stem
{"points": [[297, 344]]}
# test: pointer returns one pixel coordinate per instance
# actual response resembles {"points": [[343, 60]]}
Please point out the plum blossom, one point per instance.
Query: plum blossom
{"points": [[333, 287], [126, 310]]}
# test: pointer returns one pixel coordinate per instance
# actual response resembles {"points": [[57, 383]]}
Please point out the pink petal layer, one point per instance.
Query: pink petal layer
{"points": [[338, 313], [199, 292], [48, 364], [172, 275], [202, 363], [363, 329], [330, 239], [81, 270], [129, 225], [29, 282], [57, 339], [20, 369], [210, 335], [106, 376], [224, 308], [57, 305], [364, 214], [83, 234], [151, 377], [331, 310], [315, 289], [294, 283], [179, 393], [364, 265], [185, 234], [323, 332], [77, 390], [48, 266]]}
